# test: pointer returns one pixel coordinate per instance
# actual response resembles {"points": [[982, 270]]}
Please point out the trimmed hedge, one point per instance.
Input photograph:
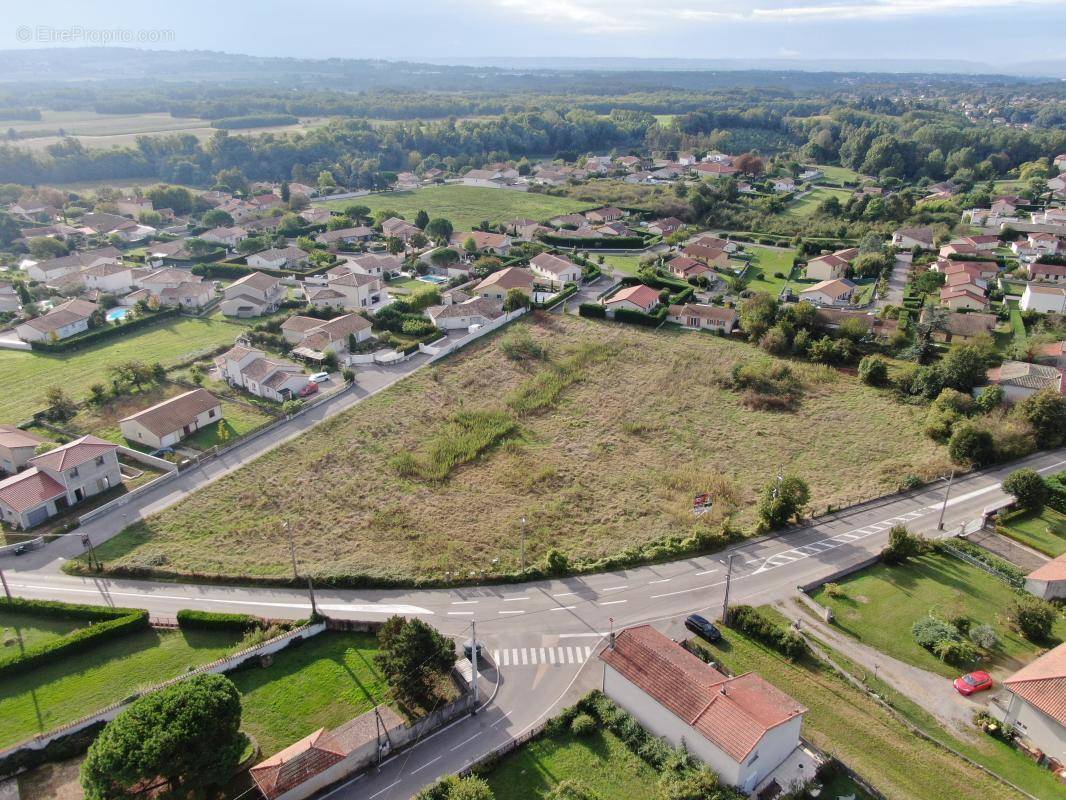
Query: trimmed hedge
{"points": [[750, 621], [60, 610], [105, 331], [215, 620], [640, 318], [75, 640], [592, 310], [1016, 575], [221, 270], [603, 243], [568, 291]]}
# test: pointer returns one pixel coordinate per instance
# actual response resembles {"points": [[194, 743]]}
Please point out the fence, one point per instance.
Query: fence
{"points": [[976, 562], [436, 352], [32, 544], [221, 665], [504, 749]]}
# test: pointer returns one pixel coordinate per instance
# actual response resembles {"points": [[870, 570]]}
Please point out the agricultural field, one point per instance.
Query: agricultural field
{"points": [[806, 206], [844, 721], [466, 206], [879, 605], [95, 130], [25, 376], [61, 691], [600, 445]]}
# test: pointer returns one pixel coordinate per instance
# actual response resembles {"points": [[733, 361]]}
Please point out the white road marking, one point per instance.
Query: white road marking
{"points": [[514, 599], [460, 613], [564, 594], [375, 794], [525, 657], [465, 742], [707, 572], [511, 612], [612, 602], [582, 635], [551, 654], [463, 602], [613, 588], [562, 608], [434, 761], [660, 580], [693, 589]]}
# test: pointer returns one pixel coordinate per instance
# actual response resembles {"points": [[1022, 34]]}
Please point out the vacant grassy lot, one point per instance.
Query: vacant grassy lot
{"points": [[845, 722], [808, 204], [1044, 531], [25, 376], [19, 631], [839, 174], [606, 459], [600, 762], [467, 206], [56, 693], [766, 264], [327, 680], [882, 603], [626, 264]]}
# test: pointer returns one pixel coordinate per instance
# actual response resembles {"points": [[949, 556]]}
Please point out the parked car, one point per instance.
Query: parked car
{"points": [[703, 628], [309, 390], [319, 377], [974, 682]]}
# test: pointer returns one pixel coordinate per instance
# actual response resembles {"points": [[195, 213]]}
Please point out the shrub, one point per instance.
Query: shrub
{"points": [[835, 590], [518, 345], [903, 545], [572, 790], [1033, 617], [971, 446], [1027, 487], [582, 725], [873, 371], [784, 498], [750, 621], [984, 636], [592, 310], [214, 620], [931, 631], [955, 651]]}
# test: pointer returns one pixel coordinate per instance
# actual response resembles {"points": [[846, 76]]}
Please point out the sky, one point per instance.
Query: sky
{"points": [[997, 31]]}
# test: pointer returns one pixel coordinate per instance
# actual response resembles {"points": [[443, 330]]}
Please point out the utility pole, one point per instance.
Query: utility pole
{"points": [[3, 580], [523, 545], [473, 658], [311, 592], [292, 549], [944, 506], [728, 580], [93, 560]]}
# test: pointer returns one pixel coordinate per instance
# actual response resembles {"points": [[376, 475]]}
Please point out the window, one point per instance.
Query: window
{"points": [[754, 758], [73, 473], [99, 461], [211, 414]]}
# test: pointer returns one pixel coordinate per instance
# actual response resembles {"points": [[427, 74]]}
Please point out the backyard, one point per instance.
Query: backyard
{"points": [[1044, 531], [20, 631], [839, 174], [26, 376], [585, 445], [466, 206], [82, 682], [845, 722], [766, 265], [879, 605], [807, 205]]}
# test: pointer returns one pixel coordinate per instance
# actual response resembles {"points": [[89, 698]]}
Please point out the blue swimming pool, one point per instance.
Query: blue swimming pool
{"points": [[433, 278], [117, 314]]}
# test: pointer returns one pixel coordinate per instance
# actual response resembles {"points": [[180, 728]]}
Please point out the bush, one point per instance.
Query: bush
{"points": [[931, 631], [750, 621], [215, 620], [582, 725], [903, 545], [955, 651], [971, 446], [873, 371], [1027, 487], [1033, 617], [835, 590], [592, 310], [984, 636]]}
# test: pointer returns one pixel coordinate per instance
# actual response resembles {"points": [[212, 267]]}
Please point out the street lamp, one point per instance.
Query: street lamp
{"points": [[523, 544], [944, 506]]}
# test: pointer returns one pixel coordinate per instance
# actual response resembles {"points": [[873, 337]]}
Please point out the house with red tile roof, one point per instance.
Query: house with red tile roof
{"points": [[17, 447], [170, 421], [1035, 705], [1048, 581], [634, 298], [59, 479], [742, 727]]}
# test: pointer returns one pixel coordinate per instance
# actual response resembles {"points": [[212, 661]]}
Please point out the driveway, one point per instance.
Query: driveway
{"points": [[896, 283], [587, 294]]}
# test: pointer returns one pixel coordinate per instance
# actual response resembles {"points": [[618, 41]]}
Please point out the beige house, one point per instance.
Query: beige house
{"points": [[59, 479], [468, 313], [708, 254], [396, 228], [963, 297], [831, 266], [167, 423], [909, 238], [684, 267], [557, 269], [352, 290], [836, 292], [499, 283], [371, 264], [634, 298], [484, 242], [17, 447], [313, 338], [290, 257], [742, 727], [250, 369], [698, 316], [65, 320], [252, 295]]}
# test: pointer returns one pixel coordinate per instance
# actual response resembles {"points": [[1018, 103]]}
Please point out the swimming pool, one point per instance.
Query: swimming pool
{"points": [[116, 314], [433, 278]]}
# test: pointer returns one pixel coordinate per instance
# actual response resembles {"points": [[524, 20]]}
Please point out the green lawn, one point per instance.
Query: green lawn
{"points": [[845, 722], [83, 682], [326, 681], [807, 205], [238, 420], [1044, 531], [25, 376], [765, 263], [627, 264], [19, 631], [839, 174], [467, 206], [600, 762], [881, 604], [1017, 325]]}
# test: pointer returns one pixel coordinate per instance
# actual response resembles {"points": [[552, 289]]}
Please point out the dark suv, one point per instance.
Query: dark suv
{"points": [[703, 628]]}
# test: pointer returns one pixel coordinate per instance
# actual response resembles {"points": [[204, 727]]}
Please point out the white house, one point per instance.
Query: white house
{"points": [[313, 338], [836, 292], [252, 295], [784, 184], [1020, 379], [499, 283], [1044, 299], [555, 268], [376, 264], [909, 238], [59, 479], [250, 369], [743, 727], [699, 316], [108, 277], [1048, 581], [17, 447], [278, 258], [53, 268], [347, 290], [167, 423], [456, 316], [1035, 703], [65, 320], [226, 236]]}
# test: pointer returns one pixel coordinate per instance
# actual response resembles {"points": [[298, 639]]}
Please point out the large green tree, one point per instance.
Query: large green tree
{"points": [[412, 657], [183, 740]]}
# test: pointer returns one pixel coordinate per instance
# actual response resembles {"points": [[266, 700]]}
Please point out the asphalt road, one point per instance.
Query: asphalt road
{"points": [[541, 637]]}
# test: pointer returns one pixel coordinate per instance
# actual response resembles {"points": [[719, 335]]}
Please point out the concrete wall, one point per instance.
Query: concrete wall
{"points": [[1038, 728], [451, 345]]}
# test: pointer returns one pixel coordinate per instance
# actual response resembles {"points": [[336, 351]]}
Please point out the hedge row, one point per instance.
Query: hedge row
{"points": [[103, 332], [603, 243], [215, 620], [592, 310], [750, 621], [977, 552], [75, 640], [657, 282], [568, 291], [59, 610], [640, 318]]}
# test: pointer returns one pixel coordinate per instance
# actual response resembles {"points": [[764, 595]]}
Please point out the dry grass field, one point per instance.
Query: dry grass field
{"points": [[600, 445]]}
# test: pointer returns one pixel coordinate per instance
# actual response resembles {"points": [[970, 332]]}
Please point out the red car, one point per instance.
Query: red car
{"points": [[973, 683], [309, 390]]}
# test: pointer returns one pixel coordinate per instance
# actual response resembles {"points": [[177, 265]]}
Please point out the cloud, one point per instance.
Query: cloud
{"points": [[618, 16]]}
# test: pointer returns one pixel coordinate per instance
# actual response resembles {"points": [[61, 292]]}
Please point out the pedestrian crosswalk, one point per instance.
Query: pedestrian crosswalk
{"points": [[538, 656]]}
